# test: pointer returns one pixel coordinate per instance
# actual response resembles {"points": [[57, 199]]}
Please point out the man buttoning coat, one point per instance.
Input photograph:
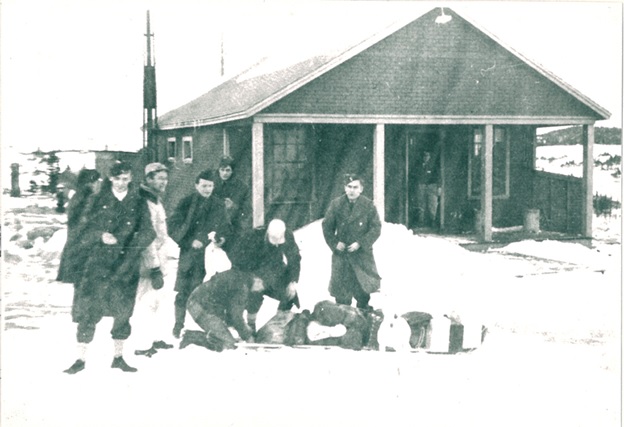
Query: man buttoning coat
{"points": [[195, 217], [116, 232], [351, 226], [217, 304], [271, 254]]}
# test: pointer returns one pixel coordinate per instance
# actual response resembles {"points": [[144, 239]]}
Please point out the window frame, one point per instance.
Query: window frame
{"points": [[187, 157], [477, 141]]}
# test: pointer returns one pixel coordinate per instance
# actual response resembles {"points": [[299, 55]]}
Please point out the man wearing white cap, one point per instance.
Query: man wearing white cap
{"points": [[150, 294], [271, 254]]}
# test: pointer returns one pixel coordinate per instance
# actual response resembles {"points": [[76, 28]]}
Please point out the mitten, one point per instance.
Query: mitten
{"points": [[156, 277]]}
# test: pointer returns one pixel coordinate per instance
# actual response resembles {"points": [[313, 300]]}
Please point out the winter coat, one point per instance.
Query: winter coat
{"points": [[225, 296], [110, 277], [277, 265], [235, 190], [71, 260], [360, 223], [195, 217], [156, 253]]}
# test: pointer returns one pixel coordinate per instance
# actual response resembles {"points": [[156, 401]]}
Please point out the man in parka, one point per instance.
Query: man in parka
{"points": [[351, 226], [151, 295], [191, 226], [116, 232]]}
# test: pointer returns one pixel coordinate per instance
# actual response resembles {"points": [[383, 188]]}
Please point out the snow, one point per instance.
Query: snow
{"points": [[551, 357]]}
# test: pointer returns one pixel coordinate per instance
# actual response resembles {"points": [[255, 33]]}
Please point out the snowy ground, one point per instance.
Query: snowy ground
{"points": [[552, 357]]}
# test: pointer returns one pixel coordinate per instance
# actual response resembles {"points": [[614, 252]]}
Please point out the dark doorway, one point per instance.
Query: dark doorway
{"points": [[422, 153]]}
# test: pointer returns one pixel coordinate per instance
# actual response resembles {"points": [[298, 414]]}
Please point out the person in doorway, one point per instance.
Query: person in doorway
{"points": [[217, 304], [198, 219], [427, 191], [117, 231], [154, 261], [351, 226], [271, 254], [235, 195]]}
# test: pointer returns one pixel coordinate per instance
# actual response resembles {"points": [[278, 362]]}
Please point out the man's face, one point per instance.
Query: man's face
{"points": [[353, 189], [225, 172], [121, 181], [204, 187], [158, 182]]}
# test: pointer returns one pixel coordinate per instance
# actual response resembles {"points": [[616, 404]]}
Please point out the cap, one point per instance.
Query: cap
{"points": [[276, 232], [226, 161], [350, 177], [155, 167]]}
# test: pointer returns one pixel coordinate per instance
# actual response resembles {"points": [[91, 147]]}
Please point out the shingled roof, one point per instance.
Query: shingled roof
{"points": [[445, 70]]}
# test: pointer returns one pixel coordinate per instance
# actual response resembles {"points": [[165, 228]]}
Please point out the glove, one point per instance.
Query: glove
{"points": [[156, 277]]}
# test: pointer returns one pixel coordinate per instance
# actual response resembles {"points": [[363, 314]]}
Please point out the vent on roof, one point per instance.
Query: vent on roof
{"points": [[443, 18]]}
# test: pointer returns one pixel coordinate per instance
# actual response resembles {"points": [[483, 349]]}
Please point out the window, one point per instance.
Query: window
{"points": [[500, 163], [171, 148], [290, 173], [187, 149]]}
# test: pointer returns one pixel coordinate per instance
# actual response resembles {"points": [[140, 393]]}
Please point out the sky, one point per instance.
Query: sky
{"points": [[71, 71]]}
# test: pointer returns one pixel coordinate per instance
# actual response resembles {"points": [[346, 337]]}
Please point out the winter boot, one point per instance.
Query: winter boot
{"points": [[120, 363], [199, 338], [78, 366]]}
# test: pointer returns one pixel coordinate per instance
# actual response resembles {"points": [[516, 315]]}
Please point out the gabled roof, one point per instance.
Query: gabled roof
{"points": [[267, 83]]}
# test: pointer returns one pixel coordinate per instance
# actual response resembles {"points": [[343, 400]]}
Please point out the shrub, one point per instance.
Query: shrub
{"points": [[603, 205]]}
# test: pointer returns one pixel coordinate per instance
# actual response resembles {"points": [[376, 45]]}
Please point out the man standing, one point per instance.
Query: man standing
{"points": [[195, 217], [116, 232], [427, 191], [235, 195], [351, 226], [150, 294], [271, 254]]}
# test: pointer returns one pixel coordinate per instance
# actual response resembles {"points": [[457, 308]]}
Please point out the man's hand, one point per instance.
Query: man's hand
{"points": [[291, 290], [229, 204], [109, 239], [156, 278], [340, 246], [197, 244], [353, 247], [258, 285]]}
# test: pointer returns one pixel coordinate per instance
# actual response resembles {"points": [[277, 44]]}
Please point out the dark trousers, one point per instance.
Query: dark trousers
{"points": [[86, 328], [210, 320], [351, 288]]}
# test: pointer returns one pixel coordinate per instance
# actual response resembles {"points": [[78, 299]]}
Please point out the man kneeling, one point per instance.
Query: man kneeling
{"points": [[217, 304]]}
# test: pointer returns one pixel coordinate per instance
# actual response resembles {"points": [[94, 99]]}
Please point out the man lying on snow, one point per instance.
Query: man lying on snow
{"points": [[218, 303]]}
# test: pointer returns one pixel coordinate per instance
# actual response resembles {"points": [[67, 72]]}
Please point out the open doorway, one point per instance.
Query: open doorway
{"points": [[422, 154]]}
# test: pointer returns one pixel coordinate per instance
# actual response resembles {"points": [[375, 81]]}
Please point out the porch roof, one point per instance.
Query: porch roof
{"points": [[306, 90]]}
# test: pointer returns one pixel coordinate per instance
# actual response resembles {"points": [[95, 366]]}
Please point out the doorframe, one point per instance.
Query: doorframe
{"points": [[437, 134]]}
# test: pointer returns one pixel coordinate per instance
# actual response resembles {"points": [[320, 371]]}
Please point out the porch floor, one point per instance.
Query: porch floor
{"points": [[502, 237]]}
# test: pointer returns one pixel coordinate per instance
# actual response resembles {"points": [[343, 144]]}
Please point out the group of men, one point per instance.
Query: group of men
{"points": [[118, 256]]}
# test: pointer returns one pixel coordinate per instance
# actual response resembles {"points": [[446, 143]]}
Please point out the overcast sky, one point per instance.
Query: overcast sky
{"points": [[71, 71]]}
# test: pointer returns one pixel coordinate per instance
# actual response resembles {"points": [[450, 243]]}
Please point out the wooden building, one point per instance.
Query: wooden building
{"points": [[435, 84]]}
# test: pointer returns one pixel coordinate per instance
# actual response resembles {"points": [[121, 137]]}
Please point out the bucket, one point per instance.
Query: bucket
{"points": [[532, 220]]}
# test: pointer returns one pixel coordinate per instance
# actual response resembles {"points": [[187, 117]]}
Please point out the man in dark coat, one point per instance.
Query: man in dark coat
{"points": [[199, 219], [217, 304], [116, 232], [72, 257], [351, 226], [427, 190], [235, 195], [271, 254]]}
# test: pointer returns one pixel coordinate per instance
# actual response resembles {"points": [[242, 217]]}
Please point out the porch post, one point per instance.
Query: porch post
{"points": [[257, 173], [486, 185], [588, 180], [379, 170]]}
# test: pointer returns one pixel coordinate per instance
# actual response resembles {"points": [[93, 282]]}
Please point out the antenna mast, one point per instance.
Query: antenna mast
{"points": [[150, 120]]}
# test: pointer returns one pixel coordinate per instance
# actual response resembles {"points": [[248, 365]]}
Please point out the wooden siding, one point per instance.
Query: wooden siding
{"points": [[559, 199]]}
